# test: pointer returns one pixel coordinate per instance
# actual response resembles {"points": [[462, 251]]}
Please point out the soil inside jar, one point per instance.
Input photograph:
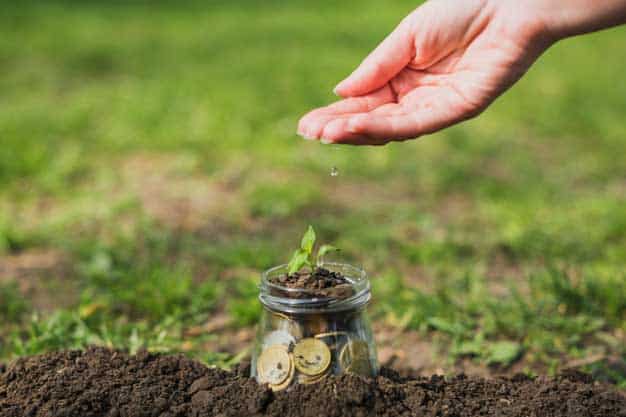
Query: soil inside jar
{"points": [[319, 283], [102, 382]]}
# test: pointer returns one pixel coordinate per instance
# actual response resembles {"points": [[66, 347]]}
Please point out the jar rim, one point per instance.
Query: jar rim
{"points": [[356, 276]]}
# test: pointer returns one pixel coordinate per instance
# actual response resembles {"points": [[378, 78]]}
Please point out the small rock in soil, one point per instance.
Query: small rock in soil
{"points": [[102, 382]]}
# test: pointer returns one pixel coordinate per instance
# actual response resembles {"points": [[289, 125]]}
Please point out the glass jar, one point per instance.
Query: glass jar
{"points": [[302, 337]]}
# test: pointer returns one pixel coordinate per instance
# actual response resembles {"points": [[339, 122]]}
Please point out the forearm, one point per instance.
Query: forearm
{"points": [[566, 18]]}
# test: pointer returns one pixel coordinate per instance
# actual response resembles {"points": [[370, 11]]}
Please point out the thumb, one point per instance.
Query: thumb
{"points": [[381, 65]]}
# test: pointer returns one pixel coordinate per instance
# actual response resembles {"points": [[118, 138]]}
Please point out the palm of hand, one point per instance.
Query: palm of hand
{"points": [[445, 63]]}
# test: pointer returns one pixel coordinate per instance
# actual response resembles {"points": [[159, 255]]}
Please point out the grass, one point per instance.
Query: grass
{"points": [[12, 305], [556, 315], [153, 146]]}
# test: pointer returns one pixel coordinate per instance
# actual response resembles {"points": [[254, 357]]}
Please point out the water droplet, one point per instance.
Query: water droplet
{"points": [[334, 172]]}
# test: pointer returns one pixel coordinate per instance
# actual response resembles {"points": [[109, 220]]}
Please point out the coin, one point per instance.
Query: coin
{"points": [[277, 320], [280, 321], [280, 315], [278, 337], [311, 356], [360, 367], [274, 365], [333, 339], [287, 381], [307, 380], [291, 327], [354, 357], [330, 334]]}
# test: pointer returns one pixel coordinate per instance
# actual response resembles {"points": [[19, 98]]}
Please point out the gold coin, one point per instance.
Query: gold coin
{"points": [[280, 315], [355, 351], [274, 365], [287, 382], [291, 327], [277, 319], [282, 322], [311, 356], [307, 380], [360, 367], [333, 340], [330, 334]]}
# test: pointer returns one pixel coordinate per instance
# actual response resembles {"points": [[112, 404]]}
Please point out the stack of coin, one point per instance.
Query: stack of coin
{"points": [[306, 350], [275, 366], [312, 359], [307, 380]]}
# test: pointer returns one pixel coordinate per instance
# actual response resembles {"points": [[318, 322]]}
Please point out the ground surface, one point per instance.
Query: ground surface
{"points": [[101, 382], [149, 172]]}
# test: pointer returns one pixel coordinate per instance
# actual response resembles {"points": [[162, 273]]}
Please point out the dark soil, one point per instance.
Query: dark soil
{"points": [[320, 283], [101, 382]]}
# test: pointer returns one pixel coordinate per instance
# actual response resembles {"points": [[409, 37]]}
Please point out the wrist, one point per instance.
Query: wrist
{"points": [[530, 20], [565, 18]]}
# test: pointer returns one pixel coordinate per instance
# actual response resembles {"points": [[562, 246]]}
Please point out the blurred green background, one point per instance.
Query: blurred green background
{"points": [[149, 171]]}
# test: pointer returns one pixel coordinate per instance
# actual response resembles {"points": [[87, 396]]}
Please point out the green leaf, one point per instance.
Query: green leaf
{"points": [[446, 326], [324, 249], [504, 352], [299, 259], [468, 347], [474, 346], [308, 241]]}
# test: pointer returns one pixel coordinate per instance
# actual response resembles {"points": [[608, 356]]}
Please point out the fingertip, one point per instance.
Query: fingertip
{"points": [[303, 132], [350, 87], [334, 131], [300, 128], [309, 126], [341, 89], [306, 136]]}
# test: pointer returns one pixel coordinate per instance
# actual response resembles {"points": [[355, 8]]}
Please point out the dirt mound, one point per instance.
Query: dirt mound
{"points": [[101, 382]]}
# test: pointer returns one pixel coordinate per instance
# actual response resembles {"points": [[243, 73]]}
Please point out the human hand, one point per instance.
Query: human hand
{"points": [[445, 63]]}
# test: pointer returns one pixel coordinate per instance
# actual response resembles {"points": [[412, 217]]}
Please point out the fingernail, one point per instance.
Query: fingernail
{"points": [[326, 141]]}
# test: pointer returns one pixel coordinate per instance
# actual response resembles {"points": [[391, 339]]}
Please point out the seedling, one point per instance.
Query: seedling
{"points": [[304, 256]]}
